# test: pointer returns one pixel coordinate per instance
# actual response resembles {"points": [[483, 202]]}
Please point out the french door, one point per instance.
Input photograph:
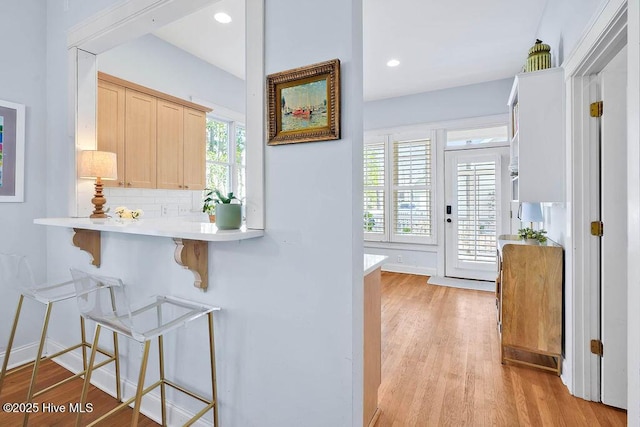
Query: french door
{"points": [[474, 211]]}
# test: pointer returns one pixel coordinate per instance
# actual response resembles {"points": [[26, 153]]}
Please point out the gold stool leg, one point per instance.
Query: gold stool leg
{"points": [[143, 371], [36, 365], [10, 344], [83, 338], [116, 354], [87, 375], [212, 356], [162, 385]]}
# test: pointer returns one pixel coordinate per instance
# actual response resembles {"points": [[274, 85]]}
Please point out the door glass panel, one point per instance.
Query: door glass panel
{"points": [[477, 220]]}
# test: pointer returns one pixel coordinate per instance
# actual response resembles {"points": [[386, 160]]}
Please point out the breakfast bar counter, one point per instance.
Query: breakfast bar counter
{"points": [[191, 237]]}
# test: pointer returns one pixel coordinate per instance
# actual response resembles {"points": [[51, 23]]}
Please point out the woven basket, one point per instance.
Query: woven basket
{"points": [[539, 57]]}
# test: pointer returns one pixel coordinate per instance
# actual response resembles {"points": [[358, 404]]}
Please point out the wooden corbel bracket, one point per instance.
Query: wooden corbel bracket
{"points": [[88, 241], [194, 255]]}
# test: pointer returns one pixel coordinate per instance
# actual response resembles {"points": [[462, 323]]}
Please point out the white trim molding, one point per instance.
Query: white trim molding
{"points": [[603, 40]]}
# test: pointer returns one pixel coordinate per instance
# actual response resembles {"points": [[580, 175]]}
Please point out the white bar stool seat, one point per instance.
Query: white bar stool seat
{"points": [[16, 273], [104, 300]]}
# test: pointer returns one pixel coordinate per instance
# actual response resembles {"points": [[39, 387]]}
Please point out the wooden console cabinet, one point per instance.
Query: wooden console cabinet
{"points": [[529, 301]]}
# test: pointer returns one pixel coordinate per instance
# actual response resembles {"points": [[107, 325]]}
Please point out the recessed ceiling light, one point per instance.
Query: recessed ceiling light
{"points": [[222, 18], [393, 63]]}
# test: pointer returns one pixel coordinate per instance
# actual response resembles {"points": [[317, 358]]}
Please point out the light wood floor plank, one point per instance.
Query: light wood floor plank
{"points": [[441, 366], [15, 390]]}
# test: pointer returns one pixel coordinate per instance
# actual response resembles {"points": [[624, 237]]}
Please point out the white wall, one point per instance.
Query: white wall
{"points": [[563, 24], [22, 80], [290, 334], [477, 100]]}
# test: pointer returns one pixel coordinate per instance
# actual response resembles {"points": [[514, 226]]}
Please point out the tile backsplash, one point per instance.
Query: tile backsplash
{"points": [[155, 203]]}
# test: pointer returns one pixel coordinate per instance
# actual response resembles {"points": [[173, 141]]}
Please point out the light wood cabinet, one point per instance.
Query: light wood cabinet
{"points": [[111, 125], [160, 140], [181, 147], [536, 127], [372, 346], [195, 138], [529, 299], [140, 139], [170, 145]]}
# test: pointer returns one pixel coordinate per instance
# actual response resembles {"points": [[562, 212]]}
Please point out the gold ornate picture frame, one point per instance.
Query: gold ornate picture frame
{"points": [[304, 104]]}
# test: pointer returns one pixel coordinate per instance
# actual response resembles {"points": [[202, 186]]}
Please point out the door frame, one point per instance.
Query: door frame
{"points": [[606, 37], [502, 178]]}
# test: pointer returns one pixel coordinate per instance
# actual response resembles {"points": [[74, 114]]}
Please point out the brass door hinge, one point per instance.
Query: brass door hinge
{"points": [[597, 228], [596, 347], [596, 109]]}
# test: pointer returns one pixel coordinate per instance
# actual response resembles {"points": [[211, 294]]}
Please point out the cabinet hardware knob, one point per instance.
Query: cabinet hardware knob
{"points": [[120, 183], [129, 184], [179, 186], [186, 186]]}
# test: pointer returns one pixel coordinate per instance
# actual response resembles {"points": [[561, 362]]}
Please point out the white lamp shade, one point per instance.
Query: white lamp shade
{"points": [[98, 164], [531, 212]]}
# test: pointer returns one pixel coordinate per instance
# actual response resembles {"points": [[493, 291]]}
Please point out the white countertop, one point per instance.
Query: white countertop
{"points": [[371, 262], [165, 227]]}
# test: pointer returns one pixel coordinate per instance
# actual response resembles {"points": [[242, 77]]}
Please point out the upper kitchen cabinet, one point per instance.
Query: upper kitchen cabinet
{"points": [[160, 140], [195, 140], [111, 125], [140, 131], [170, 145], [536, 104]]}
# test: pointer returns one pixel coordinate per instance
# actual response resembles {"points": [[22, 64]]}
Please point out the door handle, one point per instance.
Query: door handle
{"points": [[448, 219]]}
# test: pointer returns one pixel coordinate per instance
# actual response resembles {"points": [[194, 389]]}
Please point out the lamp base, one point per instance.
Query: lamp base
{"points": [[98, 201]]}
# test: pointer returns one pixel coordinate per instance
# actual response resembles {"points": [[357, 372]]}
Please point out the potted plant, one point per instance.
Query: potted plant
{"points": [[532, 236], [208, 205], [228, 213]]}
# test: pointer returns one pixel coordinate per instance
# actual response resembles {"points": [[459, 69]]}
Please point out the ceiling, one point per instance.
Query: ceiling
{"points": [[439, 44]]}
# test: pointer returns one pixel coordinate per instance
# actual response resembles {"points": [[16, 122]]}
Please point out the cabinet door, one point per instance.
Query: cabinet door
{"points": [[170, 145], [195, 123], [111, 125], [140, 140]]}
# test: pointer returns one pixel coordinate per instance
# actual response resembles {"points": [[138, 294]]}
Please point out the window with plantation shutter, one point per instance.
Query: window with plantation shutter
{"points": [[412, 192], [374, 191], [398, 193]]}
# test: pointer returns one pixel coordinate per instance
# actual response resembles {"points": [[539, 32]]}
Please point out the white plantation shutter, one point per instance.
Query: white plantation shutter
{"points": [[374, 191], [411, 191], [477, 222]]}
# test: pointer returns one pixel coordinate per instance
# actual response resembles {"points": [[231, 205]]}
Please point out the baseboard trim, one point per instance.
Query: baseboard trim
{"points": [[20, 355], [409, 269], [105, 379]]}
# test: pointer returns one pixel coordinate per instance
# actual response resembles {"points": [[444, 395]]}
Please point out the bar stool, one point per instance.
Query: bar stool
{"points": [[104, 301], [15, 272]]}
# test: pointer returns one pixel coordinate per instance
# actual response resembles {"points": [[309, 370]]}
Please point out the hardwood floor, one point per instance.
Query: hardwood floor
{"points": [[441, 366], [15, 389]]}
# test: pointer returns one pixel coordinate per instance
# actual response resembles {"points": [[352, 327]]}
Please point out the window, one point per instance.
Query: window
{"points": [[226, 156], [474, 137], [398, 190]]}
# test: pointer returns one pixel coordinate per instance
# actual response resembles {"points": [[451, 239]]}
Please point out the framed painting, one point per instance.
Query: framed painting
{"points": [[304, 104], [12, 122]]}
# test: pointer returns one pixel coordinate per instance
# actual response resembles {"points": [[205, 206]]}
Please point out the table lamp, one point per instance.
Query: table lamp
{"points": [[99, 165], [531, 212]]}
